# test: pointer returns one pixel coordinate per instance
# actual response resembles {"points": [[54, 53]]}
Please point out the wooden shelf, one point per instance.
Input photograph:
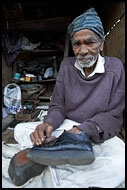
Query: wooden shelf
{"points": [[44, 80], [44, 97], [42, 51], [46, 24]]}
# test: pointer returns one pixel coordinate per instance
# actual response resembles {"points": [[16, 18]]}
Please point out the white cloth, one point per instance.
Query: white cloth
{"points": [[42, 181], [107, 170], [98, 69]]}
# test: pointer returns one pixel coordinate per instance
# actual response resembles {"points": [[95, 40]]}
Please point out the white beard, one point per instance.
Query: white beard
{"points": [[91, 61]]}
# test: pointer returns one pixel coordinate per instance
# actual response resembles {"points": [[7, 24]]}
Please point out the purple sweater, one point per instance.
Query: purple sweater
{"points": [[95, 101]]}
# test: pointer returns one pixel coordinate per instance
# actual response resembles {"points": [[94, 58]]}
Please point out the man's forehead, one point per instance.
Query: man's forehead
{"points": [[86, 34]]}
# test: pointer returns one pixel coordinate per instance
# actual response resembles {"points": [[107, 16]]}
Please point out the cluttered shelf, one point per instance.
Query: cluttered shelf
{"points": [[38, 62], [36, 67]]}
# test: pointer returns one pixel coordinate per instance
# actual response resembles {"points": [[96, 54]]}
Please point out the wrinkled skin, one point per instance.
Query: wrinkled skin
{"points": [[87, 43]]}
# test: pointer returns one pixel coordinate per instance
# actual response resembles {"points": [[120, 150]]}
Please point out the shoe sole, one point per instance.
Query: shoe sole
{"points": [[73, 157]]}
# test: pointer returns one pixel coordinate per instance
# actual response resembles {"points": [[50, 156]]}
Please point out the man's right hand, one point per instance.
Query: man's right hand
{"points": [[42, 130]]}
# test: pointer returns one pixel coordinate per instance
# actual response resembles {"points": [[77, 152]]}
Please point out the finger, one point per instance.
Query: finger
{"points": [[32, 138], [41, 134], [37, 138]]}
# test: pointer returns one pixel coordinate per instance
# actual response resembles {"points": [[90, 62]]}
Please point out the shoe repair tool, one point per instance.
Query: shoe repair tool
{"points": [[35, 96]]}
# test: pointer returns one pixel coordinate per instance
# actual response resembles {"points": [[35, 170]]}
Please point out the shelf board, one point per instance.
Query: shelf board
{"points": [[41, 51], [44, 80], [44, 97], [46, 24]]}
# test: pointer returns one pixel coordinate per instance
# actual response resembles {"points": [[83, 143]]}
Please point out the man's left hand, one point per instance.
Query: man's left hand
{"points": [[74, 130]]}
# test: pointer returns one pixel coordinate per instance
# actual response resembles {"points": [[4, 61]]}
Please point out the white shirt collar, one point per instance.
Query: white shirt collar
{"points": [[98, 69]]}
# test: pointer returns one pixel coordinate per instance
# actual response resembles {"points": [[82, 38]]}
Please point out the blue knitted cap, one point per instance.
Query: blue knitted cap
{"points": [[88, 20]]}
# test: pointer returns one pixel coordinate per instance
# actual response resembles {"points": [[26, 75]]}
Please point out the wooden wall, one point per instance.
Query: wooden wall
{"points": [[6, 72], [115, 42], [6, 75]]}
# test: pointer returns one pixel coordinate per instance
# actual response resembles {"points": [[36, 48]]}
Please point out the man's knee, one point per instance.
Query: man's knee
{"points": [[19, 129]]}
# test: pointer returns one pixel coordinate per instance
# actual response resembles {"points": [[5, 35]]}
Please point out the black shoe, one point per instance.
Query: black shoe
{"points": [[68, 148]]}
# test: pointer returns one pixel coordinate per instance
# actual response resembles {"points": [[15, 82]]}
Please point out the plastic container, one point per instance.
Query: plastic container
{"points": [[16, 76], [39, 78]]}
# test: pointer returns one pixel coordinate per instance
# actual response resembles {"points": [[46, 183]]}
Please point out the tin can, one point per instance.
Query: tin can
{"points": [[27, 78], [16, 76], [34, 79]]}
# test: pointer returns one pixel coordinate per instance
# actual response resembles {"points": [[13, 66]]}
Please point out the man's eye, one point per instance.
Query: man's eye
{"points": [[76, 44], [90, 42]]}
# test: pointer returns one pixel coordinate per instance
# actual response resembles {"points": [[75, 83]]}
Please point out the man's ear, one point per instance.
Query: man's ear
{"points": [[101, 46]]}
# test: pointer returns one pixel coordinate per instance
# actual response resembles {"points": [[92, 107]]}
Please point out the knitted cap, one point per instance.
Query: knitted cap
{"points": [[88, 20]]}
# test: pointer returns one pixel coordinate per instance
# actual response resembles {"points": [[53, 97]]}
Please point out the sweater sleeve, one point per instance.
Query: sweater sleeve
{"points": [[109, 122], [56, 113]]}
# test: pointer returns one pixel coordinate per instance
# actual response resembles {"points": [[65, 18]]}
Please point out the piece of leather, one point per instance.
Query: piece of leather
{"points": [[66, 146], [21, 168], [68, 141]]}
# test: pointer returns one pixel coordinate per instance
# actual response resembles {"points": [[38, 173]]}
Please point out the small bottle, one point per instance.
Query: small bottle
{"points": [[39, 78]]}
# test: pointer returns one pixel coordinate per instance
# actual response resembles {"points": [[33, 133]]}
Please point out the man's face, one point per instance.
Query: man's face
{"points": [[86, 46]]}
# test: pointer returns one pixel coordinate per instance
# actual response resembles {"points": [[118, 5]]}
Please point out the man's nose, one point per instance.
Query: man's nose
{"points": [[83, 50]]}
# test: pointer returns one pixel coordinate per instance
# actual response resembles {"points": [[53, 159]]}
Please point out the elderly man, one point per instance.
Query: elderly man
{"points": [[88, 96]]}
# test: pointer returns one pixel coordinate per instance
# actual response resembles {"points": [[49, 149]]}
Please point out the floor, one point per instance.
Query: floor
{"points": [[6, 121], [8, 137], [8, 124]]}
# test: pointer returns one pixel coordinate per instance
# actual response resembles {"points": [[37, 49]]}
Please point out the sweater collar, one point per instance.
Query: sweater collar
{"points": [[98, 69]]}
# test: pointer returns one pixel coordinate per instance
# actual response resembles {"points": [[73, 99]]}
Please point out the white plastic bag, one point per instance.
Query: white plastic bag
{"points": [[48, 72], [4, 113], [12, 98]]}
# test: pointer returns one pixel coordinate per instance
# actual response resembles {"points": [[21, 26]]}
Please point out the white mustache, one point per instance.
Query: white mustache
{"points": [[79, 57], [87, 64]]}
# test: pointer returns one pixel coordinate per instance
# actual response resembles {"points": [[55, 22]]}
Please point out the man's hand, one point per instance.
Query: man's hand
{"points": [[74, 130], [42, 130]]}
